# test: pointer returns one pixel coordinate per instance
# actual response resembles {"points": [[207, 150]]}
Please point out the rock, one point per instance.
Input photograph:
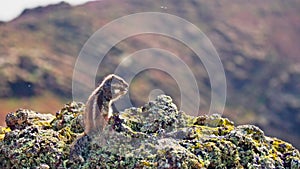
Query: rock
{"points": [[22, 118], [155, 135], [69, 116]]}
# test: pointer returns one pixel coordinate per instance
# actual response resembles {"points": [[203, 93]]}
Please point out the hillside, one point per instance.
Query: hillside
{"points": [[257, 42]]}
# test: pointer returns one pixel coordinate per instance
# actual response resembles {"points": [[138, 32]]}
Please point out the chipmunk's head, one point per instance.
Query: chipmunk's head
{"points": [[116, 85]]}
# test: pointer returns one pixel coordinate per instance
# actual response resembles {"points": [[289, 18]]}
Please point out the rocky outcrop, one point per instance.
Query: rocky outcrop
{"points": [[156, 135]]}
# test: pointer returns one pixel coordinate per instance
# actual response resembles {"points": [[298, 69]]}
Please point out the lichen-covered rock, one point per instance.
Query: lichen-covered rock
{"points": [[33, 146], [34, 140], [23, 118], [156, 135], [70, 116]]}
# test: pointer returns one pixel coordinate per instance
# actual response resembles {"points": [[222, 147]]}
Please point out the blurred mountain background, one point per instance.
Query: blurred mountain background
{"points": [[258, 43]]}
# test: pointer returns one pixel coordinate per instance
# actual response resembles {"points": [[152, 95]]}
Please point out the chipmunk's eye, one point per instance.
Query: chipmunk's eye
{"points": [[107, 85]]}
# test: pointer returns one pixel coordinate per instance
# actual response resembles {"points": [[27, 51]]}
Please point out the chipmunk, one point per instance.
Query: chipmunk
{"points": [[98, 107], [98, 110]]}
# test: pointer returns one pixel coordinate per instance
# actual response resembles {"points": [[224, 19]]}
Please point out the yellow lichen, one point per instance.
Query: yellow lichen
{"points": [[3, 130]]}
